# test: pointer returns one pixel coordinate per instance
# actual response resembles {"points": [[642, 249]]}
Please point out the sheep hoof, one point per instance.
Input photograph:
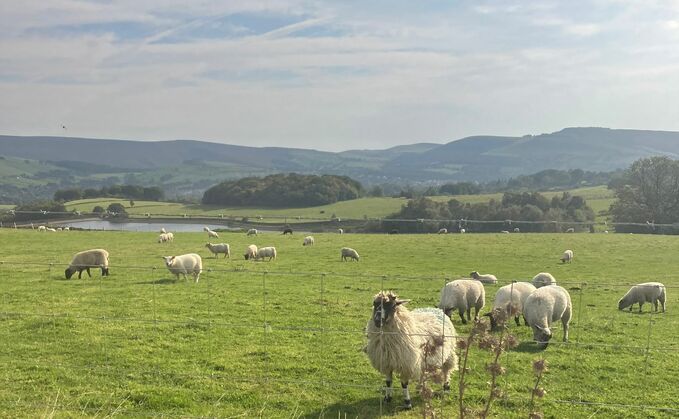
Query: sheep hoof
{"points": [[387, 399], [408, 405]]}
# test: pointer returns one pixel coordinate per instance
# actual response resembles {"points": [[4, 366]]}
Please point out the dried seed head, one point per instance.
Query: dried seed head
{"points": [[487, 342], [480, 327], [539, 392], [462, 344], [535, 415], [496, 369], [497, 392], [511, 341], [540, 366]]}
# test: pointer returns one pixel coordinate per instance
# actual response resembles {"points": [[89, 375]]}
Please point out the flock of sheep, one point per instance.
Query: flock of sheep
{"points": [[409, 342]]}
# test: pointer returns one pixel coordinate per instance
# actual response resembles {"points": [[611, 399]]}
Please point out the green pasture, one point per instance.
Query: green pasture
{"points": [[284, 338]]}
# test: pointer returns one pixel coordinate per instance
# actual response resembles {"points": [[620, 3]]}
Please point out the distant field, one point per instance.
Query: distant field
{"points": [[599, 198], [284, 339]]}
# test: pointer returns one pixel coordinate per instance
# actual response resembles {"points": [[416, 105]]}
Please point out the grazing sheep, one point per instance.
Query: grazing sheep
{"points": [[409, 342], [190, 263], [567, 256], [570, 230], [393, 231], [58, 228], [511, 298], [340, 231], [463, 294], [517, 230], [544, 306], [543, 279], [252, 232], [170, 236], [648, 292], [67, 229], [162, 237], [162, 230], [250, 252], [287, 230], [51, 229], [212, 233], [308, 241], [219, 248], [504, 232], [42, 228], [485, 278], [443, 231], [83, 261], [266, 252], [462, 231], [348, 252]]}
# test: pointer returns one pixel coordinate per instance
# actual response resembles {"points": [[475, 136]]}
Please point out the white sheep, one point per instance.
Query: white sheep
{"points": [[250, 252], [462, 295], [567, 256], [266, 252], [67, 229], [648, 292], [570, 230], [83, 261], [308, 241], [340, 231], [485, 278], [219, 248], [544, 306], [517, 230], [51, 229], [510, 299], [170, 236], [162, 230], [42, 228], [409, 343], [443, 231], [543, 279], [252, 232], [190, 263], [504, 232], [462, 231], [348, 252], [162, 237], [212, 233]]}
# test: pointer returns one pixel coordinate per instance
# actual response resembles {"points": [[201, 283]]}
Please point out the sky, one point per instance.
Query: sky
{"points": [[335, 75]]}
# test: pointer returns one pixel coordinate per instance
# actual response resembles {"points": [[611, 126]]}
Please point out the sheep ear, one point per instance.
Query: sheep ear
{"points": [[399, 302]]}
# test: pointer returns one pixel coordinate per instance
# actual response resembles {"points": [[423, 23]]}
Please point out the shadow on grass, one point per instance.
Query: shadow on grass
{"points": [[162, 281], [367, 408], [528, 347]]}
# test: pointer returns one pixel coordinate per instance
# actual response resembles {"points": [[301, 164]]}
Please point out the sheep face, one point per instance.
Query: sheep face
{"points": [[384, 306], [169, 260], [623, 304], [474, 275], [69, 272], [542, 335], [104, 271]]}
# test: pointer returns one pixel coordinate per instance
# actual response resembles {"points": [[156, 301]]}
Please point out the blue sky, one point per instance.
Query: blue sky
{"points": [[335, 75]]}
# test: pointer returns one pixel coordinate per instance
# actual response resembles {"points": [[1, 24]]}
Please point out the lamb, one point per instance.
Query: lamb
{"points": [[650, 292], [308, 241], [252, 232], [543, 279], [266, 252], [348, 252], [219, 248], [409, 342], [83, 261], [190, 263], [544, 306], [567, 256], [463, 294], [340, 231], [212, 233], [485, 278], [250, 252], [511, 298], [443, 231]]}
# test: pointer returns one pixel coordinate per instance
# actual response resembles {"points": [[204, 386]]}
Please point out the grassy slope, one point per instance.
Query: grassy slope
{"points": [[140, 344]]}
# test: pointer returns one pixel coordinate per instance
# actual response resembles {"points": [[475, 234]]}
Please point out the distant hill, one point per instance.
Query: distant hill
{"points": [[189, 167]]}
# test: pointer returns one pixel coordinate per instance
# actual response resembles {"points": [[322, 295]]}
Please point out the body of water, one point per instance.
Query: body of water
{"points": [[140, 226]]}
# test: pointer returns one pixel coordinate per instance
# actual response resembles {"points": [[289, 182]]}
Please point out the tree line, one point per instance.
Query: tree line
{"points": [[152, 193], [284, 190]]}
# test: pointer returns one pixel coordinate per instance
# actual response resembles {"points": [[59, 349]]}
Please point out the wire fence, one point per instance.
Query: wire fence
{"points": [[321, 325]]}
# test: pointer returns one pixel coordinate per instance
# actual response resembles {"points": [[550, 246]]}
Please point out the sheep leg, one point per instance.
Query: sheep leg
{"points": [[80, 273], [662, 302], [516, 319], [469, 313], [565, 319], [655, 304], [640, 304], [406, 396], [88, 272], [387, 390], [461, 313]]}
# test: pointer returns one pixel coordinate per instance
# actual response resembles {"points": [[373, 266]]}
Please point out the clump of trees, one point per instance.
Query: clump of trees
{"points": [[284, 190], [37, 210], [527, 206], [152, 193], [647, 194]]}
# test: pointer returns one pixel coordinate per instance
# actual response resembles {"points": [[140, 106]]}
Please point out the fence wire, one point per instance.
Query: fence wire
{"points": [[268, 326]]}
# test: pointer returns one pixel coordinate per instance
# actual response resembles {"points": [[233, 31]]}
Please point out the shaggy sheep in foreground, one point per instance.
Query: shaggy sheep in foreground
{"points": [[544, 306], [648, 292], [409, 343], [266, 252], [83, 261], [250, 252], [348, 252], [462, 295], [218, 248], [485, 278], [511, 299], [190, 263], [543, 279], [308, 241], [567, 256]]}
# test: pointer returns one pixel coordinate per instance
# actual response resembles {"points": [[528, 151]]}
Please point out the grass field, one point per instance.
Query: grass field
{"points": [[285, 338], [599, 198]]}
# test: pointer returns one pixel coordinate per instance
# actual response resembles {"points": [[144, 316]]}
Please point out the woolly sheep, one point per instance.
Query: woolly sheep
{"points": [[409, 342], [570, 230], [219, 248], [252, 232], [83, 261], [170, 236], [42, 228], [308, 241], [648, 292], [67, 229], [567, 256], [266, 252], [517, 230], [287, 230], [504, 232], [340, 231], [348, 252], [212, 233], [250, 252], [511, 298], [463, 294], [485, 278], [462, 231], [162, 237], [544, 306], [543, 279], [51, 229], [443, 231], [189, 263]]}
